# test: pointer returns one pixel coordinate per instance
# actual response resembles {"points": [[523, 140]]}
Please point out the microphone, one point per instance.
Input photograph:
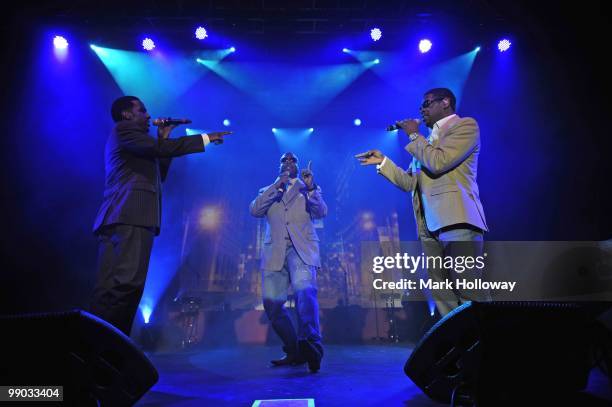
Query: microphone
{"points": [[283, 187], [394, 127], [169, 121]]}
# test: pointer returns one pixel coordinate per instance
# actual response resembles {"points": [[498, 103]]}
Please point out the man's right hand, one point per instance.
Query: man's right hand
{"points": [[283, 179], [370, 157], [163, 132], [217, 136]]}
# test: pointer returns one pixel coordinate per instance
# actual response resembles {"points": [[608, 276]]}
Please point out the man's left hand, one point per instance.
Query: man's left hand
{"points": [[409, 126], [307, 176]]}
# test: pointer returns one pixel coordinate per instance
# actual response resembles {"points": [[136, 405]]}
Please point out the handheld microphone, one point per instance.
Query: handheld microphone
{"points": [[394, 127], [283, 187], [169, 121]]}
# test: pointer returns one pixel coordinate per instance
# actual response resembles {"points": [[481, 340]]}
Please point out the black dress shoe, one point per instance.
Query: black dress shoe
{"points": [[313, 353], [288, 360]]}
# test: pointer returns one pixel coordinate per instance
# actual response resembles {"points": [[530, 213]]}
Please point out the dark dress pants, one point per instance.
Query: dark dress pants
{"points": [[123, 261]]}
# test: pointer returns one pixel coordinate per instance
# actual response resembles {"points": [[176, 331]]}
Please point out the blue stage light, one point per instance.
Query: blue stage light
{"points": [[273, 129], [376, 34], [425, 45], [311, 129], [148, 44], [504, 45], [200, 33], [60, 42], [357, 122], [376, 61], [477, 49], [346, 50], [146, 313], [232, 49], [226, 122]]}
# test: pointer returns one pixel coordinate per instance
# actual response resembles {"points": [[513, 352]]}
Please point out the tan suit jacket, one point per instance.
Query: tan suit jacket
{"points": [[444, 175]]}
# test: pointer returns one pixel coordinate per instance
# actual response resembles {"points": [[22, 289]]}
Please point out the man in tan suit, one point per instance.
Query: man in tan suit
{"points": [[442, 180]]}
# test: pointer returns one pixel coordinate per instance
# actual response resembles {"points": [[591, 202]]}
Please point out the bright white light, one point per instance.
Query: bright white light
{"points": [[504, 45], [346, 50], [311, 129], [232, 49], [226, 122], [357, 122], [201, 33], [376, 34], [148, 44], [425, 46], [60, 42], [273, 129], [376, 61]]}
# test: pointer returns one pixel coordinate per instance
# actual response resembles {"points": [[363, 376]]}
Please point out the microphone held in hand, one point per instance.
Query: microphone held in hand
{"points": [[395, 126], [170, 122], [282, 188]]}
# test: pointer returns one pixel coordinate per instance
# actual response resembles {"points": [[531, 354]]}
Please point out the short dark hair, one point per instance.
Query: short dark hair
{"points": [[444, 93], [120, 105]]}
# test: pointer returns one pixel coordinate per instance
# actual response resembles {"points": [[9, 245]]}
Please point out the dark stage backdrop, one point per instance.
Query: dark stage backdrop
{"points": [[543, 173]]}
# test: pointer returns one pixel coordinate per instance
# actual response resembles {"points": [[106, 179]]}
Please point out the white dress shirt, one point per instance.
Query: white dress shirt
{"points": [[205, 139]]}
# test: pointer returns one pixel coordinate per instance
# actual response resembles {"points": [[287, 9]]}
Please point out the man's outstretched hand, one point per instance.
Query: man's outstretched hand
{"points": [[370, 157], [217, 136]]}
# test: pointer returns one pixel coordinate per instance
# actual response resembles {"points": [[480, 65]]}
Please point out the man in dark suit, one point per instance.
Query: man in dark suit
{"points": [[130, 215]]}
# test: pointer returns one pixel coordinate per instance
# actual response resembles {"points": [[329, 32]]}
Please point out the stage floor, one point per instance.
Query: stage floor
{"points": [[351, 375]]}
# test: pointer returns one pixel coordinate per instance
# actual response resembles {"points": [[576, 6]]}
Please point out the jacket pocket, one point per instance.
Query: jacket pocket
{"points": [[442, 189]]}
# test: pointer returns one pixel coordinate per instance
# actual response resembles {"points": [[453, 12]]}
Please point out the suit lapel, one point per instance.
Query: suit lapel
{"points": [[293, 192]]}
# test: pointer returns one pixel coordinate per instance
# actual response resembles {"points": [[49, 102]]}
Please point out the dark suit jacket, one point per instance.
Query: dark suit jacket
{"points": [[136, 165]]}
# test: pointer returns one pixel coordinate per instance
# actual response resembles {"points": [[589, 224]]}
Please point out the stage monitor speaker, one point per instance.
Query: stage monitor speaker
{"points": [[94, 362], [504, 353]]}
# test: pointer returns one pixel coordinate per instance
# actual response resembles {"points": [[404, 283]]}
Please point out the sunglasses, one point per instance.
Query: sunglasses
{"points": [[427, 103]]}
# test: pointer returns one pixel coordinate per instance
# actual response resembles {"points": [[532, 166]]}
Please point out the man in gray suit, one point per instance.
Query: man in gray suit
{"points": [[130, 215], [442, 181], [290, 256]]}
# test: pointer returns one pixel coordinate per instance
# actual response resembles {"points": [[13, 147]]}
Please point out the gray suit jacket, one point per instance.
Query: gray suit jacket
{"points": [[445, 174], [136, 165], [289, 215]]}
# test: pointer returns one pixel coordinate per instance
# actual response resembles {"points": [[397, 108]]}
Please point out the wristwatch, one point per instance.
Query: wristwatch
{"points": [[413, 136]]}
